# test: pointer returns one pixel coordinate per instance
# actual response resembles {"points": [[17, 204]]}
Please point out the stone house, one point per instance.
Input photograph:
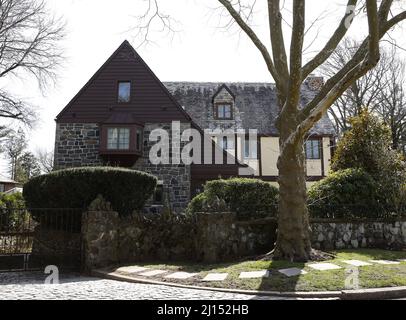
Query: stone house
{"points": [[110, 120]]}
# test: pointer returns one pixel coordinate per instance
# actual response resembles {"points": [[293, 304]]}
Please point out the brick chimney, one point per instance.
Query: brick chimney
{"points": [[314, 82]]}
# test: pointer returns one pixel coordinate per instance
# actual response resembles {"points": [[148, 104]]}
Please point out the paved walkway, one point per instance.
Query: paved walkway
{"points": [[31, 286]]}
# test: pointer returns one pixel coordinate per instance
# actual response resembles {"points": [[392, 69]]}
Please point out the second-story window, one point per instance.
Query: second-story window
{"points": [[223, 111], [312, 149], [124, 91], [118, 139], [250, 150], [226, 143]]}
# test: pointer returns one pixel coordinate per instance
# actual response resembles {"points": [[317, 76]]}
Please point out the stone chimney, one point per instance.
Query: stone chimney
{"points": [[314, 82]]}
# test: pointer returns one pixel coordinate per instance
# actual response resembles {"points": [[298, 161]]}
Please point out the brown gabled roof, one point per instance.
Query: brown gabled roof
{"points": [[84, 100]]}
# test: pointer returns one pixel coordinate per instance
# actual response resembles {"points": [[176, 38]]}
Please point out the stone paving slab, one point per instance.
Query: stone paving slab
{"points": [[132, 269], [291, 272], [152, 273], [215, 277], [357, 263], [255, 274], [324, 266], [384, 262], [180, 275]]}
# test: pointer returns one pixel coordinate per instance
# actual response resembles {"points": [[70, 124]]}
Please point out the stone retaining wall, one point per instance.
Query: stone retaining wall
{"points": [[215, 237], [329, 235]]}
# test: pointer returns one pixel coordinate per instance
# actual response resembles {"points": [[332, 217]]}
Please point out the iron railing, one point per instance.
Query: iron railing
{"points": [[32, 238]]}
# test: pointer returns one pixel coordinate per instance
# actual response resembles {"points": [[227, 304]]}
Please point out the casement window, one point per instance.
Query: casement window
{"points": [[250, 150], [118, 138], [223, 111], [226, 143], [312, 148], [2, 187], [124, 91]]}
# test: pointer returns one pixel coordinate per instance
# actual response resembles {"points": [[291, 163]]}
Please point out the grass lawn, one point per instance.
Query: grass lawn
{"points": [[369, 276]]}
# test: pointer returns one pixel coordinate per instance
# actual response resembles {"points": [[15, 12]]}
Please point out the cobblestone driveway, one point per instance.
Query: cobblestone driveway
{"points": [[31, 286]]}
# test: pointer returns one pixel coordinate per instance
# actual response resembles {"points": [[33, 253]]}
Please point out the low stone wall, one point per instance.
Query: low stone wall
{"points": [[100, 238], [156, 238], [221, 237], [215, 237], [329, 234]]}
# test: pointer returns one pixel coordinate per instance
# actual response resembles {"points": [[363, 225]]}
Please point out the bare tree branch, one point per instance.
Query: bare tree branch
{"points": [[333, 42], [29, 44]]}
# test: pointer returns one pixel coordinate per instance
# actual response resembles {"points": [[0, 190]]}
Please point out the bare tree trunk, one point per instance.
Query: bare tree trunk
{"points": [[293, 239]]}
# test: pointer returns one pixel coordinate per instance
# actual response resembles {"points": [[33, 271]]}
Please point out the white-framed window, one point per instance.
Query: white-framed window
{"points": [[224, 111], [118, 138], [124, 91], [312, 149], [226, 143], [250, 150]]}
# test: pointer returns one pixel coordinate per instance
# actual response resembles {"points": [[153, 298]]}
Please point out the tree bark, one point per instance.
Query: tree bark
{"points": [[293, 235]]}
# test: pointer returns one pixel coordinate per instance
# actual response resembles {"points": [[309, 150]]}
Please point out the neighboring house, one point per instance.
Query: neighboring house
{"points": [[110, 119], [7, 184]]}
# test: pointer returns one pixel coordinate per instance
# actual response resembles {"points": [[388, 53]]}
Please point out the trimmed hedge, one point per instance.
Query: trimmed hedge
{"points": [[244, 196], [349, 193], [127, 190]]}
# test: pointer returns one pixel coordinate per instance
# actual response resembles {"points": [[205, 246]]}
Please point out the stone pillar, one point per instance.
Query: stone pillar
{"points": [[99, 238]]}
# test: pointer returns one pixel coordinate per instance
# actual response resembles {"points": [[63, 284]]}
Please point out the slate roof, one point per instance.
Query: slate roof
{"points": [[256, 103]]}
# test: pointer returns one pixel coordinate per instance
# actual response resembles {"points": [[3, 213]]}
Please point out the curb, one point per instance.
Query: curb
{"points": [[362, 294]]}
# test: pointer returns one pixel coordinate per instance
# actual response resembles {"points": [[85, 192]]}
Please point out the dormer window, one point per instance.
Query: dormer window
{"points": [[223, 111], [124, 91]]}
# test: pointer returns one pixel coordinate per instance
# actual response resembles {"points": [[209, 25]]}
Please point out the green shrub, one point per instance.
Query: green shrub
{"points": [[11, 213], [127, 190], [349, 193], [243, 196], [197, 204], [368, 146]]}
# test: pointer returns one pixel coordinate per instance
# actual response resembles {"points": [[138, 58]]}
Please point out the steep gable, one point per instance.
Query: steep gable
{"points": [[97, 100]]}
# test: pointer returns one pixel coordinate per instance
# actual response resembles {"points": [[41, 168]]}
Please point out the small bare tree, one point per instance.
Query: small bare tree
{"points": [[45, 159], [289, 71], [381, 91], [29, 44], [392, 103]]}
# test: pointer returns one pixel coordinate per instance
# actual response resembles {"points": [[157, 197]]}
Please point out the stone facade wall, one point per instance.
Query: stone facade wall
{"points": [[175, 178], [77, 145], [348, 235]]}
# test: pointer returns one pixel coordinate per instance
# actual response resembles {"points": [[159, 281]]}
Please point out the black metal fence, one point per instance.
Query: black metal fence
{"points": [[34, 238]]}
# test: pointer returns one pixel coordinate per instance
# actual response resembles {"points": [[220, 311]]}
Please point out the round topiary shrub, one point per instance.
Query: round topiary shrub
{"points": [[127, 190], [244, 196], [349, 193]]}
